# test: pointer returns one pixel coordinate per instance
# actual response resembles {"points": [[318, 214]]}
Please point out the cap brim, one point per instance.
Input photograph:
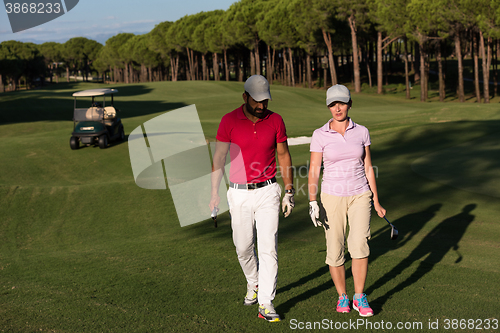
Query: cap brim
{"points": [[261, 96], [337, 99]]}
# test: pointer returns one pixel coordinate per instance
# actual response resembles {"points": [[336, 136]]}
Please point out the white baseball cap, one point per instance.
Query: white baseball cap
{"points": [[337, 93], [258, 87]]}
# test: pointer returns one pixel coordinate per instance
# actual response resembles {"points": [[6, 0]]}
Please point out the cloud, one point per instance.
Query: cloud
{"points": [[98, 30]]}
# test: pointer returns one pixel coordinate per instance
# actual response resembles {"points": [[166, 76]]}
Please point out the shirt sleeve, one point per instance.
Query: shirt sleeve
{"points": [[316, 145], [223, 134], [366, 138], [281, 132]]}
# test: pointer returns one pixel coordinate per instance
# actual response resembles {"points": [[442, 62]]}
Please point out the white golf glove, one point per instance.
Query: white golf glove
{"points": [[314, 213], [287, 204]]}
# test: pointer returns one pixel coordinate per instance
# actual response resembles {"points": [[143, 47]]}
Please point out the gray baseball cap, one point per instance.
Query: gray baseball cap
{"points": [[337, 93], [258, 87]]}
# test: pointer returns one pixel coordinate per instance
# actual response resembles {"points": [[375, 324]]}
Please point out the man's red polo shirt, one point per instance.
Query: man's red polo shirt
{"points": [[256, 142]]}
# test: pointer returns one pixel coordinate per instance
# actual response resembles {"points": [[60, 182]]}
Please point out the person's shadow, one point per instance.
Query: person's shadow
{"points": [[408, 226], [443, 238]]}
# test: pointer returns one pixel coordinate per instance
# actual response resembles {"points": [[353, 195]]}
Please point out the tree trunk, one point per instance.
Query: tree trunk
{"points": [[325, 77], [270, 65], [369, 49], [486, 62], [458, 51], [188, 67], [442, 88], [308, 69], [252, 63], [257, 57], [416, 64], [196, 68], [204, 67], [380, 70], [423, 83], [226, 65], [126, 74], [286, 73], [292, 73], [240, 70], [328, 41], [355, 54], [2, 87], [215, 61], [144, 74], [476, 67], [407, 75], [495, 67], [174, 64]]}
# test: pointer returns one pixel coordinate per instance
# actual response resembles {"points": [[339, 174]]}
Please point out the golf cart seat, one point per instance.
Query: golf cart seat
{"points": [[109, 115], [109, 112], [90, 114]]}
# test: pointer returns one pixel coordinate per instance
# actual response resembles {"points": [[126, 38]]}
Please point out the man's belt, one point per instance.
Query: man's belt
{"points": [[252, 186]]}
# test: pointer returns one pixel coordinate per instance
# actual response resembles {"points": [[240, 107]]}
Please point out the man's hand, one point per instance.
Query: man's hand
{"points": [[314, 213], [214, 202], [287, 204]]}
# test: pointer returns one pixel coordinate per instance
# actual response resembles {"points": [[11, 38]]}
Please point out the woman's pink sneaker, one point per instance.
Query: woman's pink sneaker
{"points": [[361, 305], [343, 304]]}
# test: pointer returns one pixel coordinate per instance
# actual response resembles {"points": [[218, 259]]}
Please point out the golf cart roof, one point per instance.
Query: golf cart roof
{"points": [[94, 92]]}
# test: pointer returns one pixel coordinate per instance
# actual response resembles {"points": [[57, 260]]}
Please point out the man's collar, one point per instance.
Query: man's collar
{"points": [[241, 114]]}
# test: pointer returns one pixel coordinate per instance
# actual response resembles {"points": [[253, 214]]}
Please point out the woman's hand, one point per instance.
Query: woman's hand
{"points": [[379, 209]]}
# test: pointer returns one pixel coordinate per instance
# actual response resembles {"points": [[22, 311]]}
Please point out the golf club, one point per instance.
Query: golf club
{"points": [[394, 231], [214, 216]]}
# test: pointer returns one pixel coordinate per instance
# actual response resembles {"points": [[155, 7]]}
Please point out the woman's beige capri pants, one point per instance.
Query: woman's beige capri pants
{"points": [[354, 209]]}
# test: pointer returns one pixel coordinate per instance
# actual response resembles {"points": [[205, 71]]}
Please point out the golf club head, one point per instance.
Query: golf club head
{"points": [[214, 216], [394, 232]]}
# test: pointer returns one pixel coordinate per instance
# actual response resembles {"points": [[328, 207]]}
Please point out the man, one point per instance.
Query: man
{"points": [[254, 136]]}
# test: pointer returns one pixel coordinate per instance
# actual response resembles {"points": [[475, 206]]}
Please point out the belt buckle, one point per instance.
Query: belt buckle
{"points": [[251, 187]]}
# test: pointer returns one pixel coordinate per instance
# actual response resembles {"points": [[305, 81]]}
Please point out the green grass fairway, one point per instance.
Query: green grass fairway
{"points": [[84, 249]]}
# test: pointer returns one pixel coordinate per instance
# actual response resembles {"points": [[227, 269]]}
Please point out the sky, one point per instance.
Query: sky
{"points": [[102, 19]]}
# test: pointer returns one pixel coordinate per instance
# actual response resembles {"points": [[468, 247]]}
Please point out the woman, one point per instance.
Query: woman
{"points": [[348, 190]]}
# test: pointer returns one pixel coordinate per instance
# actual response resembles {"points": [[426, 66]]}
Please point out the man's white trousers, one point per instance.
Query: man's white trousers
{"points": [[256, 213]]}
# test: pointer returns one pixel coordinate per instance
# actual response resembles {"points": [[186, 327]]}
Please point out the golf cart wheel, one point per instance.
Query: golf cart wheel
{"points": [[122, 134], [103, 141], [73, 143]]}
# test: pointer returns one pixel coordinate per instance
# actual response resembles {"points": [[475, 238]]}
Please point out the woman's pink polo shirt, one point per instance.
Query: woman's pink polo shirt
{"points": [[343, 155]]}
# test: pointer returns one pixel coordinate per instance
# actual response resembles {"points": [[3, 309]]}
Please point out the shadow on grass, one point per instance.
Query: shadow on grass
{"points": [[52, 104], [431, 250], [380, 244], [285, 307]]}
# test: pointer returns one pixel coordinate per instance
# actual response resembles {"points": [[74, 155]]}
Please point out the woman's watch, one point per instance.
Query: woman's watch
{"points": [[291, 191]]}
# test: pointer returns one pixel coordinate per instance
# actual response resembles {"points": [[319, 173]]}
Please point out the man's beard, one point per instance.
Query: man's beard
{"points": [[253, 112]]}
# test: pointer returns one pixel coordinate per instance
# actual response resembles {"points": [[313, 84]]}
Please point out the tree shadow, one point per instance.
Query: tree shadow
{"points": [[57, 105], [431, 250]]}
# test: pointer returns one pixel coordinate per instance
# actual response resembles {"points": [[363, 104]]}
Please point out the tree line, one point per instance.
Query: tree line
{"points": [[295, 42]]}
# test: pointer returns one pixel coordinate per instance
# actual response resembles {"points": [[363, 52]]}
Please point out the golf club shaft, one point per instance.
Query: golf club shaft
{"points": [[388, 222]]}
